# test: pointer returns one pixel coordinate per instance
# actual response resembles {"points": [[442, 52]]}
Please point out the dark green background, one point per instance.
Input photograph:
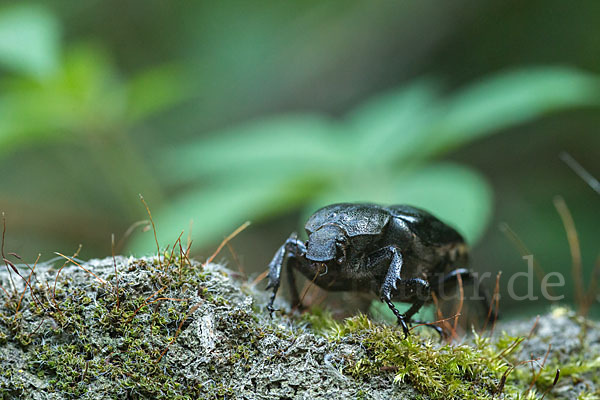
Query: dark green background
{"points": [[222, 64]]}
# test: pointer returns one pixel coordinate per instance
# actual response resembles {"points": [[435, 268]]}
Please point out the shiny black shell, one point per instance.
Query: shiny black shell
{"points": [[355, 219], [372, 219]]}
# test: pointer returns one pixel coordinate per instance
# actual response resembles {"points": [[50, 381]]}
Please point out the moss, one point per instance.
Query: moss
{"points": [[442, 372], [88, 337], [93, 336], [483, 368]]}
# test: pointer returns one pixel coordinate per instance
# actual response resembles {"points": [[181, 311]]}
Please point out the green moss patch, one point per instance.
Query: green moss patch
{"points": [[180, 330]]}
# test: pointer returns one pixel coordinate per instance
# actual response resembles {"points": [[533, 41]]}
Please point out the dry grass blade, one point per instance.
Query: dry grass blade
{"points": [[536, 376], [27, 285], [510, 348], [573, 239], [556, 376], [3, 257], [535, 324], [14, 268], [493, 301], [592, 289], [525, 252], [439, 321], [112, 248], [189, 236], [446, 326], [236, 260], [461, 300], [102, 281], [259, 278], [153, 228], [226, 240], [510, 369], [307, 288], [56, 278], [582, 172], [128, 233]]}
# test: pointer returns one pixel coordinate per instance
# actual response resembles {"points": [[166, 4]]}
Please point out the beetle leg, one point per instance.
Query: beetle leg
{"points": [[399, 316], [392, 276], [292, 247], [390, 283]]}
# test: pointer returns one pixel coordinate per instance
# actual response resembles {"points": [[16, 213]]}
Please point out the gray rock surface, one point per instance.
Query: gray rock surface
{"points": [[227, 346]]}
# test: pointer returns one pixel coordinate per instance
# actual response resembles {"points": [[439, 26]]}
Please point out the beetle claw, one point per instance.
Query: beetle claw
{"points": [[271, 310], [404, 325]]}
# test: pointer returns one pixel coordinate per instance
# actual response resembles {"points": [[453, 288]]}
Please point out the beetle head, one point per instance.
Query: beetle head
{"points": [[326, 244]]}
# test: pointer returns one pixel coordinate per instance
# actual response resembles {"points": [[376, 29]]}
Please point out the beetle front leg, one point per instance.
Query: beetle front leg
{"points": [[391, 279], [415, 288], [291, 247]]}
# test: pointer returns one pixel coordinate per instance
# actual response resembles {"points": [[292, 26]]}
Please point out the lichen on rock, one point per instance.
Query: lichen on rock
{"points": [[179, 329]]}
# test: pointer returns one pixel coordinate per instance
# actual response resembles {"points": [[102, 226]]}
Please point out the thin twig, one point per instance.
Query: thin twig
{"points": [[536, 376], [447, 327], [102, 281], [236, 260], [189, 236], [56, 278], [497, 307], [308, 286], [461, 300], [492, 301], [14, 268], [4, 258], [524, 251], [593, 287], [153, 228], [556, 376], [537, 319], [128, 233], [226, 240], [434, 322], [27, 285], [260, 277], [573, 239], [112, 248]]}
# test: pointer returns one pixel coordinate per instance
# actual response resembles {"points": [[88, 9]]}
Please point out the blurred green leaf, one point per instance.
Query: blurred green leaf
{"points": [[154, 90], [291, 142], [84, 96], [456, 194], [29, 40], [390, 126], [509, 99], [381, 152], [216, 210]]}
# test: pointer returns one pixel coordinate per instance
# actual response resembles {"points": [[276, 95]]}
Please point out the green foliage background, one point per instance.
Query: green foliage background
{"points": [[221, 112]]}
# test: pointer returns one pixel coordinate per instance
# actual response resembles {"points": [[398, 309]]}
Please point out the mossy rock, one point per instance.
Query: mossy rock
{"points": [[177, 329]]}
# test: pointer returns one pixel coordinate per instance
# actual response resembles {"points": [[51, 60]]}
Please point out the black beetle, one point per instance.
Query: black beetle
{"points": [[400, 252]]}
